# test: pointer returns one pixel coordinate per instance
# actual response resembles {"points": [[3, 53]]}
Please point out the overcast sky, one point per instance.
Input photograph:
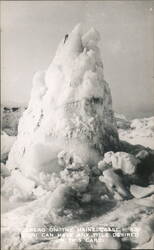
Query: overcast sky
{"points": [[31, 31]]}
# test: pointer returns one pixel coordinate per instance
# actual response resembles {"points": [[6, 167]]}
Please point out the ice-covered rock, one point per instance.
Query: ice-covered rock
{"points": [[124, 161], [18, 187], [70, 160], [70, 101], [142, 154], [103, 165], [41, 158], [114, 183], [59, 197], [141, 192], [106, 162], [77, 180], [120, 160]]}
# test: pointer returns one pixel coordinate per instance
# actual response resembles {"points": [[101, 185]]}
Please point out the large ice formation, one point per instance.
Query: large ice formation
{"points": [[70, 103]]}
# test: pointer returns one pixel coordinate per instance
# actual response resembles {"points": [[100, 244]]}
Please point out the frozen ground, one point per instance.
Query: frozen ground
{"points": [[135, 213], [138, 131]]}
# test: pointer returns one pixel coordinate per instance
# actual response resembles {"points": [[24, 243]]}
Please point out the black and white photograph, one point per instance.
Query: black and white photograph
{"points": [[77, 125]]}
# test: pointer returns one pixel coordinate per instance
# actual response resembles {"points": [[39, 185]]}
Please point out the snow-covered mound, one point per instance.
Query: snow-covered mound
{"points": [[70, 102], [143, 126], [140, 131]]}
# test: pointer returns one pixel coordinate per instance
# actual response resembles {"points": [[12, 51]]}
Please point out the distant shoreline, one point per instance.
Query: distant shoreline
{"points": [[128, 115]]}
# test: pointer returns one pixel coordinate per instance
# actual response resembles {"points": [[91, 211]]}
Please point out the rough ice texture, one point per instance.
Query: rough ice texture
{"points": [[114, 184], [70, 101], [120, 160], [122, 122], [6, 144], [141, 192], [139, 131]]}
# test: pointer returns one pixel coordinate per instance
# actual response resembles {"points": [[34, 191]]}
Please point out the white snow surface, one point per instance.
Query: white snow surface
{"points": [[141, 131]]}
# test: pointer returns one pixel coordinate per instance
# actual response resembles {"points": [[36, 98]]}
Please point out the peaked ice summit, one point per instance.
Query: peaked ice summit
{"points": [[70, 102]]}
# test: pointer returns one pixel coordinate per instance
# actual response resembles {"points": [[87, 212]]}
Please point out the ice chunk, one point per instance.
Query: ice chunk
{"points": [[141, 192], [75, 174], [22, 182], [70, 160], [59, 197], [113, 182], [108, 157], [103, 165], [106, 162], [91, 35], [39, 191], [124, 161], [121, 160], [77, 180], [142, 154], [147, 202], [40, 158]]}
